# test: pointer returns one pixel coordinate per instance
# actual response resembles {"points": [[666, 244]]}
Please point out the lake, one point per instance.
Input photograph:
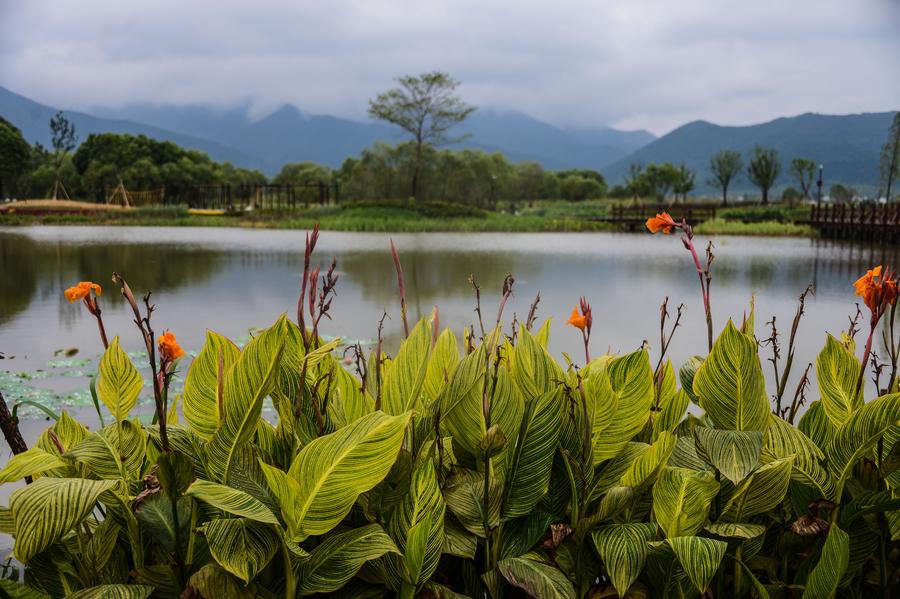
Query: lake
{"points": [[232, 280]]}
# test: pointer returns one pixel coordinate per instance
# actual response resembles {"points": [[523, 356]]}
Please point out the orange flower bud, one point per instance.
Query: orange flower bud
{"points": [[169, 350]]}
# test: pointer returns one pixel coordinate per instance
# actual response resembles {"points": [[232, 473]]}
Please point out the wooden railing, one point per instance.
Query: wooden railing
{"points": [[875, 222]]}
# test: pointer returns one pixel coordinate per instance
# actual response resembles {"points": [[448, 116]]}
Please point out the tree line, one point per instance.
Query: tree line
{"points": [[427, 108], [382, 171]]}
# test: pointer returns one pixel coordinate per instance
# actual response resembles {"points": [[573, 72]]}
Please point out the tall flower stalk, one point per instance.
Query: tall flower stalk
{"points": [[878, 288], [583, 321], [665, 223], [82, 291]]}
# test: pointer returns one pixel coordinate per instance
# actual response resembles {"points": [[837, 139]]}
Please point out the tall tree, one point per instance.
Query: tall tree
{"points": [[426, 107], [804, 171], [890, 157], [63, 140], [765, 166], [683, 183], [659, 179], [634, 181], [15, 156], [725, 166]]}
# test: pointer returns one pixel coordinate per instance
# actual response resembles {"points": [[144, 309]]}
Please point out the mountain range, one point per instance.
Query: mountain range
{"points": [[848, 145]]}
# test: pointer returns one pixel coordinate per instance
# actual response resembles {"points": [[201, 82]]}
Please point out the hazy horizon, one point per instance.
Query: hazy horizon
{"points": [[646, 65]]}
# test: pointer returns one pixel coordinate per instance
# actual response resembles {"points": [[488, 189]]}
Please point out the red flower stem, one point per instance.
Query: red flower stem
{"points": [[865, 358], [587, 354], [704, 290], [102, 329]]}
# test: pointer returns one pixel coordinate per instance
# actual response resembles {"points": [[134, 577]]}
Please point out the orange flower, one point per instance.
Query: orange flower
{"points": [[81, 291], [877, 290], [169, 350], [661, 221], [584, 319], [577, 320]]}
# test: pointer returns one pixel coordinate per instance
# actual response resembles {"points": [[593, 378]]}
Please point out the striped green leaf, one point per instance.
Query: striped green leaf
{"points": [[643, 470], [629, 386], [29, 463], [673, 405], [417, 527], [699, 557], [532, 462], [204, 385], [339, 557], [241, 546], [816, 425], [119, 382], [333, 470], [443, 361], [12, 589], [687, 373], [534, 371], [623, 550], [681, 500], [783, 440], [213, 581], [69, 432], [464, 494], [536, 578], [462, 402], [247, 383], [114, 591], [735, 531], [403, 382], [286, 491], [232, 501], [733, 453], [859, 434], [614, 469], [99, 457], [837, 371], [761, 491], [347, 402], [825, 577], [730, 383], [48, 508]]}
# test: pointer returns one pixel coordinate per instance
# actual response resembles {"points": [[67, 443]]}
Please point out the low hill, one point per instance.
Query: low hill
{"points": [[848, 146]]}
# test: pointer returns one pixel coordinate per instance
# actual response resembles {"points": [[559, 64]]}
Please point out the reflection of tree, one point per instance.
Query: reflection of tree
{"points": [[18, 276], [31, 267], [435, 276]]}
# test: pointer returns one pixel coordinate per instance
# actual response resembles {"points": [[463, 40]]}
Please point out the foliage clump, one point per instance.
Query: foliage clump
{"points": [[467, 466]]}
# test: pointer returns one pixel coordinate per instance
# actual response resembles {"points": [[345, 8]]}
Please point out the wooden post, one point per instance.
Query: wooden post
{"points": [[10, 428]]}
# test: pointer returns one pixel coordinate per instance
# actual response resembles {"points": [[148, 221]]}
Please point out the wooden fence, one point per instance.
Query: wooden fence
{"points": [[864, 222], [240, 197]]}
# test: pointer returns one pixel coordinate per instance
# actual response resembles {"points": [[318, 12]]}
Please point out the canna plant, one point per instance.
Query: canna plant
{"points": [[494, 471]]}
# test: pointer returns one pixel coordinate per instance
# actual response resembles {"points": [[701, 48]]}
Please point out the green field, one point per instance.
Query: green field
{"points": [[397, 216]]}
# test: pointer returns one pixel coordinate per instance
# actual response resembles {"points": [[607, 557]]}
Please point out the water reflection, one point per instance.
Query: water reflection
{"points": [[234, 279]]}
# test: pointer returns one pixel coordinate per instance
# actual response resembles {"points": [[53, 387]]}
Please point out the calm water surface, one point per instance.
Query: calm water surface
{"points": [[232, 280]]}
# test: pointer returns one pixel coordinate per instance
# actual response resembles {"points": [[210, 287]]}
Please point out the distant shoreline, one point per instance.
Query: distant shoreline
{"points": [[375, 220]]}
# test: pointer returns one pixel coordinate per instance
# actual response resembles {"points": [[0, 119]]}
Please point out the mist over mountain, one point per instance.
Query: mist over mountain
{"points": [[848, 145], [291, 135]]}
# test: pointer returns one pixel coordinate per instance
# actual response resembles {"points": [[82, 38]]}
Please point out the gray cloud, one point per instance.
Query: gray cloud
{"points": [[651, 64]]}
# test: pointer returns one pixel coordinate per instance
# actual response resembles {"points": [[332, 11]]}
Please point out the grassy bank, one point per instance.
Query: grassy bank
{"points": [[768, 228], [407, 217]]}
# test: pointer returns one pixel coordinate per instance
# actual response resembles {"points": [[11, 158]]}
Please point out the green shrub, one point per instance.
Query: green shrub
{"points": [[431, 209], [494, 471]]}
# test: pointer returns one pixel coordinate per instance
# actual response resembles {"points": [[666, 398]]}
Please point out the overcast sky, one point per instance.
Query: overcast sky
{"points": [[652, 64]]}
